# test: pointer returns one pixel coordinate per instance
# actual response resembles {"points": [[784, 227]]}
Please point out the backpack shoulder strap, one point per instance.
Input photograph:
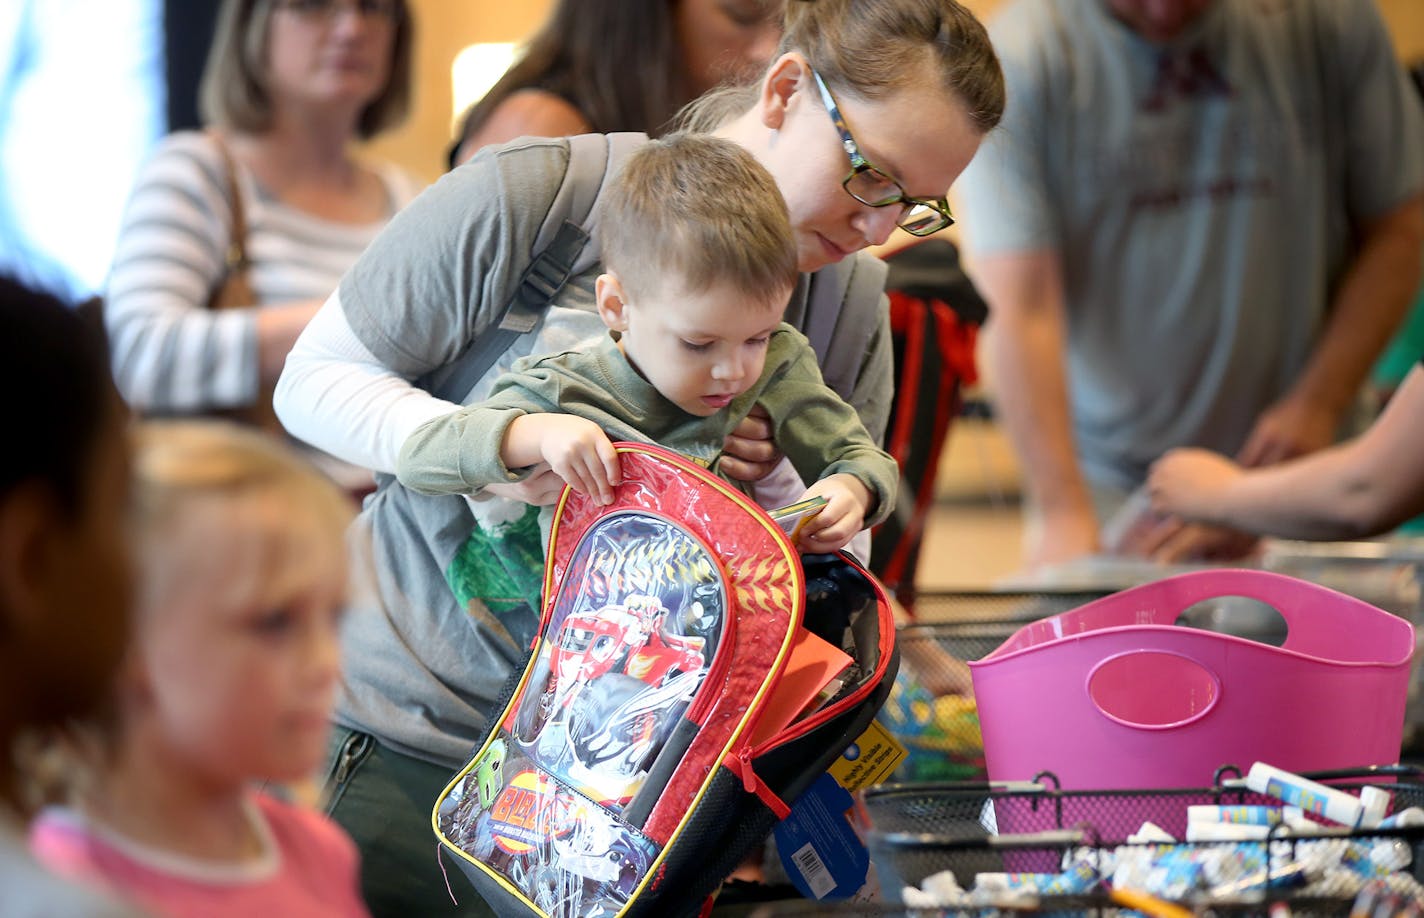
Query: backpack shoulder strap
{"points": [[561, 250], [841, 315]]}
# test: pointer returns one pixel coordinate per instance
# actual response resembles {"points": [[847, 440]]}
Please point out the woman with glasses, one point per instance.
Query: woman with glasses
{"points": [[865, 118], [270, 194]]}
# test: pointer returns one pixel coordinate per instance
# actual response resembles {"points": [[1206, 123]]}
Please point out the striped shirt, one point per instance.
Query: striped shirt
{"points": [[171, 354]]}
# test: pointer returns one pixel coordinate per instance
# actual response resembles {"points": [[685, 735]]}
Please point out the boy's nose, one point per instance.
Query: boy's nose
{"points": [[729, 368]]}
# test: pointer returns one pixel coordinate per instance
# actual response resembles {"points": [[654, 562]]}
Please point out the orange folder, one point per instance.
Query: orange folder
{"points": [[811, 677]]}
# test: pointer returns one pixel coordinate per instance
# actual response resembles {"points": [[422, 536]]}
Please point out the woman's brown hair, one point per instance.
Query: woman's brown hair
{"points": [[870, 48], [616, 61]]}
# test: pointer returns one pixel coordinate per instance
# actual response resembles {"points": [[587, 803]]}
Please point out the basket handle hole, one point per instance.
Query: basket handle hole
{"points": [[1153, 689], [1240, 616]]}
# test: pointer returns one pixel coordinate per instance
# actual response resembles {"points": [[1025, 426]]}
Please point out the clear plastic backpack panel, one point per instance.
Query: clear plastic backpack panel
{"points": [[563, 853], [634, 630]]}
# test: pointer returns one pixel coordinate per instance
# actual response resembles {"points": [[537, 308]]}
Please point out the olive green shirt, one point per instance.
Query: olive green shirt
{"points": [[459, 453]]}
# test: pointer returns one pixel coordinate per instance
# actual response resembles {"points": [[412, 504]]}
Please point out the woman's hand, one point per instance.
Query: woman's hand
{"points": [[1200, 542], [1190, 487], [542, 487], [749, 453]]}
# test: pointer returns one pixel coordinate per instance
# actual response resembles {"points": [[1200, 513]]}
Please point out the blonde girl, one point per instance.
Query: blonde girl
{"points": [[229, 683]]}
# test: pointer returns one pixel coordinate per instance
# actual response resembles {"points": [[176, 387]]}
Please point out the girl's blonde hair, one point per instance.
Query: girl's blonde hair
{"points": [[871, 48], [182, 464]]}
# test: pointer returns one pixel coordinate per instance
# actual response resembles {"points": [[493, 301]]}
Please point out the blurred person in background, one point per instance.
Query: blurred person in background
{"points": [[1362, 487], [65, 571], [574, 76], [290, 87], [62, 88], [1199, 225]]}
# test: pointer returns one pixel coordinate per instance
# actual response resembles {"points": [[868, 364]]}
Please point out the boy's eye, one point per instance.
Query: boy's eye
{"points": [[759, 342], [697, 345]]}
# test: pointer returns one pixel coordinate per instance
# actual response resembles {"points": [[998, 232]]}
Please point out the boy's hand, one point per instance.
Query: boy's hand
{"points": [[577, 450], [1191, 483], [847, 502]]}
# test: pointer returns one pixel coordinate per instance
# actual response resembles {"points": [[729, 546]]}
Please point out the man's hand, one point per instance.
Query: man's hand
{"points": [[831, 529], [1291, 427], [749, 454], [1058, 537]]}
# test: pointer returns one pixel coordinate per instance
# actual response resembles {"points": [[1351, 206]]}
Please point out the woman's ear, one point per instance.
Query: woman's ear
{"points": [[612, 307], [787, 74]]}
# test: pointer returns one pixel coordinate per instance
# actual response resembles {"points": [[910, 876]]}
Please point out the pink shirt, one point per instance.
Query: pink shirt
{"points": [[308, 867]]}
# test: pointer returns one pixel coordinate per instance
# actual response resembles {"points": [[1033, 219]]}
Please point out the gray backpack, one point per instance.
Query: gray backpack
{"points": [[568, 245]]}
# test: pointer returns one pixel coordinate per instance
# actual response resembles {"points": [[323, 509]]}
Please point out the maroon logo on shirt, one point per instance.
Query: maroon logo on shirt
{"points": [[1184, 73]]}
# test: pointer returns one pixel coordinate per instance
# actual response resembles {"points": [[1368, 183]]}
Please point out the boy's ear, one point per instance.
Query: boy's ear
{"points": [[787, 74], [612, 307]]}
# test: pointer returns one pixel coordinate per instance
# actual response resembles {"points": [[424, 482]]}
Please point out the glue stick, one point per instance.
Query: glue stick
{"points": [[1226, 831], [1375, 801], [1409, 817], [1311, 796], [1241, 814]]}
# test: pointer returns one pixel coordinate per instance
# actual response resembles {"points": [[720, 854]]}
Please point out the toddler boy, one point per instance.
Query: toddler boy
{"points": [[700, 263]]}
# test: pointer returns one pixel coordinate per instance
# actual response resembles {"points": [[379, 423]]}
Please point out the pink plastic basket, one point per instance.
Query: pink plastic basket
{"points": [[1114, 695]]}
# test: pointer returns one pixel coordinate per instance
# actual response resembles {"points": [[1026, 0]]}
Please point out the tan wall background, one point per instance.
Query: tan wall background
{"points": [[444, 27]]}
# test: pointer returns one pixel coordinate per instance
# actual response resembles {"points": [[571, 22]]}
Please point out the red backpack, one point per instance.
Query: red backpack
{"points": [[622, 776]]}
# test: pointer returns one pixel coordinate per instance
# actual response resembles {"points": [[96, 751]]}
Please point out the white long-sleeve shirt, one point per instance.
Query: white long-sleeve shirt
{"points": [[336, 395]]}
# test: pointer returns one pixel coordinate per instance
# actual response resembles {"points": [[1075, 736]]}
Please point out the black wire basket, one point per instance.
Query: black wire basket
{"points": [[931, 710], [916, 832]]}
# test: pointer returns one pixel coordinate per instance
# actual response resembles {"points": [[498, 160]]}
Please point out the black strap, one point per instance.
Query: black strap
{"points": [[541, 282]]}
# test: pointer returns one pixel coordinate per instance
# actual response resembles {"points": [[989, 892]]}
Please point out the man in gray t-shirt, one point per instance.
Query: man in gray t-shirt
{"points": [[1198, 225]]}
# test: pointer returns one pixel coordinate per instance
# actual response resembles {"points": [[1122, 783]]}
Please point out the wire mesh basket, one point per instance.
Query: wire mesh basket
{"points": [[931, 709], [804, 908], [960, 606], [1094, 906], [917, 832]]}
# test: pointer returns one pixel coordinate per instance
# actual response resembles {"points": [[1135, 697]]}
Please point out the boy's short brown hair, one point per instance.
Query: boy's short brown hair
{"points": [[701, 210]]}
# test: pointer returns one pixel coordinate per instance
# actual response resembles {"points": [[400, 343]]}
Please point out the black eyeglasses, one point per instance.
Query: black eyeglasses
{"points": [[325, 10], [870, 186]]}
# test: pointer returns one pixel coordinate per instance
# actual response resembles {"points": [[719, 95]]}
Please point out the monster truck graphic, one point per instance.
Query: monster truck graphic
{"points": [[618, 680]]}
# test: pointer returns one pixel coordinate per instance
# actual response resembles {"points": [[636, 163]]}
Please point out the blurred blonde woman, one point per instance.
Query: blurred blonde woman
{"points": [[290, 87]]}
